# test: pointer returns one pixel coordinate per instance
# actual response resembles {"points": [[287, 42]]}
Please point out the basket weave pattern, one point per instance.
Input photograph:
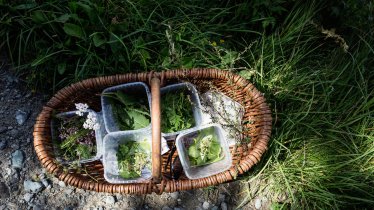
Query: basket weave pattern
{"points": [[257, 127]]}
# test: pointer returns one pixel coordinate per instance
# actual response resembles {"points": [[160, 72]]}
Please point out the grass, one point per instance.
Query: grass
{"points": [[321, 94]]}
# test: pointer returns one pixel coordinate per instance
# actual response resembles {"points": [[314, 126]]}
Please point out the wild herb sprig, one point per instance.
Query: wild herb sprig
{"points": [[132, 158], [176, 112], [205, 149]]}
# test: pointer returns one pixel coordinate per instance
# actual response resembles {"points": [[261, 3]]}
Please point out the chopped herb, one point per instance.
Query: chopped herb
{"points": [[129, 112], [205, 149], [133, 157], [176, 112]]}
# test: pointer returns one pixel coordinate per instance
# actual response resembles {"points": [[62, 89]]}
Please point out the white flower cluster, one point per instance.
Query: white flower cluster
{"points": [[91, 121], [82, 108]]}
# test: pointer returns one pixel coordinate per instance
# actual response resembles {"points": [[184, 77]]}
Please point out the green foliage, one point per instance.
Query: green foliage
{"points": [[132, 158], [176, 112], [205, 148], [73, 141], [130, 113]]}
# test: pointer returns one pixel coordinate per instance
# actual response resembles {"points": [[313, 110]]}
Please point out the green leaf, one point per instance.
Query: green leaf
{"points": [[140, 121], [73, 30], [63, 18], [98, 39], [193, 152], [38, 16], [61, 67]]}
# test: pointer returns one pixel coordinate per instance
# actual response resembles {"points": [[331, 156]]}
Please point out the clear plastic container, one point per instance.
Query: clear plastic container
{"points": [[196, 107], [184, 140], [99, 135], [141, 90], [110, 161]]}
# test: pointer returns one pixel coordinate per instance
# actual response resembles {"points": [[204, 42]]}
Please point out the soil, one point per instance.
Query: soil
{"points": [[54, 194]]}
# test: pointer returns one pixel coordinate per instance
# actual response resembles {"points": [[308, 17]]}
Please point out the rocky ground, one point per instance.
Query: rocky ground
{"points": [[25, 185]]}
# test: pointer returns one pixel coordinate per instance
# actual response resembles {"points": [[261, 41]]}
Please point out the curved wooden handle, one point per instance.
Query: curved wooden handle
{"points": [[156, 129]]}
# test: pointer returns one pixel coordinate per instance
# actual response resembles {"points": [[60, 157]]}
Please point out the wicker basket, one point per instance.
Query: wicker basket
{"points": [[257, 127]]}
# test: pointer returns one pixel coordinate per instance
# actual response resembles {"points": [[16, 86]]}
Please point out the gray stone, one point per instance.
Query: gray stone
{"points": [[68, 208], [110, 200], [221, 197], [68, 191], [62, 184], [214, 208], [4, 191], [37, 207], [27, 197], [17, 159], [206, 205], [100, 208], [257, 203], [177, 208], [31, 186], [45, 183], [21, 117], [3, 129], [198, 208], [174, 195], [223, 206], [2, 144], [166, 208]]}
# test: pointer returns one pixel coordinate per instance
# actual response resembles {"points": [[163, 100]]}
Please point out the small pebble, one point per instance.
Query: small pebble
{"points": [[223, 206], [31, 186], [17, 159], [258, 203], [174, 195], [166, 208], [61, 184], [206, 205], [214, 208], [27, 197], [2, 144], [21, 117], [110, 200]]}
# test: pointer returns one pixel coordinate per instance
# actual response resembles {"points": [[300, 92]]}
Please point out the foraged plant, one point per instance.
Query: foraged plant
{"points": [[176, 112], [205, 148], [76, 135], [133, 157], [129, 112]]}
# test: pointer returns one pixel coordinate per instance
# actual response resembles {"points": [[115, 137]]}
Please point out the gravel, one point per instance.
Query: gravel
{"points": [[3, 144], [21, 117], [257, 203], [206, 205], [17, 159], [4, 191], [223, 206], [32, 187], [110, 200]]}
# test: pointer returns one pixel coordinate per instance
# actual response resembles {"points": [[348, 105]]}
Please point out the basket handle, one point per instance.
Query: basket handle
{"points": [[156, 129]]}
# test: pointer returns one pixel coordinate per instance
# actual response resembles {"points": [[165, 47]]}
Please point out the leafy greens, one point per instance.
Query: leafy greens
{"points": [[205, 149], [132, 158], [129, 112], [176, 112]]}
